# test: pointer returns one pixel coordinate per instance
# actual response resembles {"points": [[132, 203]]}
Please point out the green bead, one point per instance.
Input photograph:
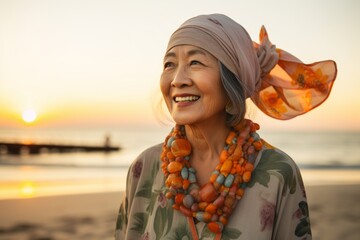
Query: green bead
{"points": [[229, 180]]}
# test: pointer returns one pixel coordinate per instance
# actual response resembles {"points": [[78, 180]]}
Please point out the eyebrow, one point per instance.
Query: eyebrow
{"points": [[190, 53]]}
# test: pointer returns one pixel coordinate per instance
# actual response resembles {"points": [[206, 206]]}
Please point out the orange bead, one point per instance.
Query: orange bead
{"points": [[258, 145], [240, 140], [238, 168], [163, 155], [207, 217], [214, 227], [211, 208], [213, 177], [230, 137], [223, 156], [179, 198], [247, 176], [238, 152], [218, 167], [169, 179], [245, 132], [170, 155], [216, 185], [202, 205], [226, 167], [208, 193], [180, 147], [240, 192], [254, 127], [186, 184], [232, 149], [223, 220], [230, 158], [238, 179], [229, 201], [249, 167], [242, 170], [169, 195], [177, 183], [233, 188], [174, 167], [219, 201], [185, 211]]}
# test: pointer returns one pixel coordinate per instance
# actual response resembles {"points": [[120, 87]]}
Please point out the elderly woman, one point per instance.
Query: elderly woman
{"points": [[214, 177]]}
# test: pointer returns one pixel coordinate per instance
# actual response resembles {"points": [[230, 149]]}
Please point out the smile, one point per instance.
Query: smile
{"points": [[186, 99]]}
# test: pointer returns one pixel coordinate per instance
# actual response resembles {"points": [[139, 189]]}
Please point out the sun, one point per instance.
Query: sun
{"points": [[29, 115]]}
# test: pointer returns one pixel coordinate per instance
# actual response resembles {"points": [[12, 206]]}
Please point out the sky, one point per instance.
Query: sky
{"points": [[97, 63]]}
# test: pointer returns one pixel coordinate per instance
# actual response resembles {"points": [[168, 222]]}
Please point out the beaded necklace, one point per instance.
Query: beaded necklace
{"points": [[214, 202]]}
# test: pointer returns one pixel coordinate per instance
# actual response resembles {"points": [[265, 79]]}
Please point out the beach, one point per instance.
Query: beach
{"points": [[77, 195], [334, 214]]}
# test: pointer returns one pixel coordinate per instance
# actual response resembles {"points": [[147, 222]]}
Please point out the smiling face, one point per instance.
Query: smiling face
{"points": [[191, 86]]}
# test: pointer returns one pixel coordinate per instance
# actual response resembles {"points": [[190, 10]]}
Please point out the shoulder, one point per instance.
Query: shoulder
{"points": [[144, 167], [146, 160], [274, 166], [273, 156], [151, 152], [149, 157]]}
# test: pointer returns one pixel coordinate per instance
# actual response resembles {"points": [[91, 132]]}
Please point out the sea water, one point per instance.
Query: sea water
{"points": [[30, 175]]}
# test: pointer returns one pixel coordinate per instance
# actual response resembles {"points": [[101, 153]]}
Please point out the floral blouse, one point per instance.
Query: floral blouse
{"points": [[273, 207]]}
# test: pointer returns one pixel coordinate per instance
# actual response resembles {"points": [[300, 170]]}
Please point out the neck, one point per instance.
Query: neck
{"points": [[207, 140]]}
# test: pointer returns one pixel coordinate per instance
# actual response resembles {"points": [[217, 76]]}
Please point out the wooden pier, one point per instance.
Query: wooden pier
{"points": [[21, 148]]}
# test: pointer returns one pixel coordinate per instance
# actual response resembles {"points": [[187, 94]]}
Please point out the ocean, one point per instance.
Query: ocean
{"points": [[33, 175]]}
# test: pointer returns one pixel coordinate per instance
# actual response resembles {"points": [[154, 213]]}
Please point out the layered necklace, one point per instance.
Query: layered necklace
{"points": [[213, 202]]}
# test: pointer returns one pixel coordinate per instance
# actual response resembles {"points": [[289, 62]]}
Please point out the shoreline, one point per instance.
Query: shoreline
{"points": [[334, 214], [34, 186]]}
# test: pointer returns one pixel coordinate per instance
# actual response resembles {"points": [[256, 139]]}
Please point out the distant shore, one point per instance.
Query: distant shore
{"points": [[334, 214], [13, 148]]}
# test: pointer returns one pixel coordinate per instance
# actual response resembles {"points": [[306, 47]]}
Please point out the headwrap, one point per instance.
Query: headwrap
{"points": [[277, 82]]}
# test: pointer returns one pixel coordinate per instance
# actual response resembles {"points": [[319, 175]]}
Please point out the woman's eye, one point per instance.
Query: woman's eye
{"points": [[195, 62], [168, 64]]}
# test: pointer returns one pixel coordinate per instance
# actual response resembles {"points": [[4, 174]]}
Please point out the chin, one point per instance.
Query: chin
{"points": [[183, 120]]}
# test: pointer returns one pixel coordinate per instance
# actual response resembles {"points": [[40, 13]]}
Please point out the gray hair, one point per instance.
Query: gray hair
{"points": [[235, 91]]}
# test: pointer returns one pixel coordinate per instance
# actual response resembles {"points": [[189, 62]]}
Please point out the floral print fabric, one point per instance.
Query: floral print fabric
{"points": [[292, 88], [274, 205]]}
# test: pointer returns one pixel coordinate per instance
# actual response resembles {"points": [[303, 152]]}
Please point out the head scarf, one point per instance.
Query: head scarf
{"points": [[277, 82]]}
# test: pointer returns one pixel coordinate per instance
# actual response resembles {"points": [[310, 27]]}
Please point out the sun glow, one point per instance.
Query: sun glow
{"points": [[29, 115], [27, 190]]}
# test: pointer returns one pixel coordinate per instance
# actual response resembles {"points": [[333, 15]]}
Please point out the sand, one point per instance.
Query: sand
{"points": [[82, 216], [334, 213]]}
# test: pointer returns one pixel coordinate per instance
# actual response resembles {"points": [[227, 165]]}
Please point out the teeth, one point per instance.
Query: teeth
{"points": [[186, 99]]}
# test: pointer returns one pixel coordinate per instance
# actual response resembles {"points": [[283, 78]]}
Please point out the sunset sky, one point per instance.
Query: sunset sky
{"points": [[94, 63]]}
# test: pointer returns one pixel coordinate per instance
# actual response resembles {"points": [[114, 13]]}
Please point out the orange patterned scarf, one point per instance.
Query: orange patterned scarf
{"points": [[278, 83]]}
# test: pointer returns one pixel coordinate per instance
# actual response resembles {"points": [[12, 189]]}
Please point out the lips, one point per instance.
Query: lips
{"points": [[188, 98]]}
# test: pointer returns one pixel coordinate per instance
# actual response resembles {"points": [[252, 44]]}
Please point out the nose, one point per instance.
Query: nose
{"points": [[181, 78]]}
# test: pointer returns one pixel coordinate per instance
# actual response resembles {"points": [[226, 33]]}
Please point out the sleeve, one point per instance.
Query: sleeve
{"points": [[292, 220], [127, 198]]}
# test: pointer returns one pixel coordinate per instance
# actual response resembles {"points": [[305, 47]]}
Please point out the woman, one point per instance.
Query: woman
{"points": [[214, 177]]}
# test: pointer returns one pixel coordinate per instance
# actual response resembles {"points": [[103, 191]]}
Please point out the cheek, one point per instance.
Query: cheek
{"points": [[164, 86], [165, 90], [219, 98]]}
